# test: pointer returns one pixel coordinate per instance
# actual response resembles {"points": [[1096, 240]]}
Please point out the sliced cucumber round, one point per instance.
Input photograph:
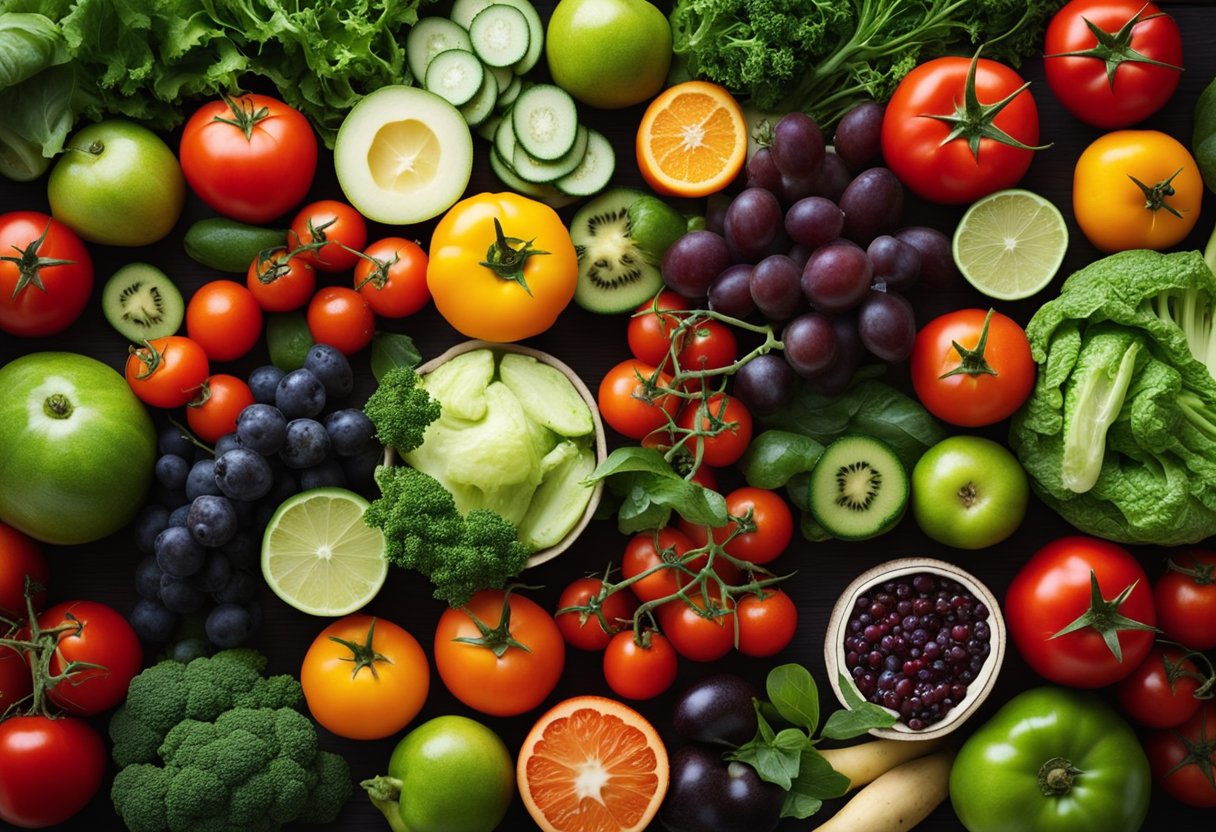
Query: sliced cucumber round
{"points": [[507, 97], [456, 76], [858, 488], [430, 36], [500, 35], [545, 121], [594, 171], [547, 194], [535, 170], [478, 108]]}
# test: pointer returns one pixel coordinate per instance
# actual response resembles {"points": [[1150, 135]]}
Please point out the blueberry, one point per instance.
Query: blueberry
{"points": [[244, 550], [180, 596], [178, 553], [147, 578], [212, 520], [214, 574], [263, 382], [172, 499], [152, 622], [350, 432], [328, 473], [171, 440], [226, 443], [202, 479], [361, 469], [242, 474], [242, 586], [261, 428], [307, 444], [189, 649], [151, 521], [300, 394], [171, 472], [229, 625], [332, 368], [178, 516]]}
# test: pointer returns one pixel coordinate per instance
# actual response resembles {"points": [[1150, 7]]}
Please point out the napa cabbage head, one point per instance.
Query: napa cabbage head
{"points": [[1119, 435]]}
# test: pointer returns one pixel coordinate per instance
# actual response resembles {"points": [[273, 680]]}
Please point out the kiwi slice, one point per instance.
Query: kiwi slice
{"points": [[141, 302], [858, 489], [614, 273]]}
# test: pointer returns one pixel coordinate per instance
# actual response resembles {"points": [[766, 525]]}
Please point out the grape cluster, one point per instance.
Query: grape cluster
{"points": [[817, 251], [202, 532]]}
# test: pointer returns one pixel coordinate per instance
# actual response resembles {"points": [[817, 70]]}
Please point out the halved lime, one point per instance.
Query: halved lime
{"points": [[319, 556], [1010, 244]]}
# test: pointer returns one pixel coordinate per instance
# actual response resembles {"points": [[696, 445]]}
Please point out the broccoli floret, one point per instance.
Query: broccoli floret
{"points": [[401, 410], [424, 531]]}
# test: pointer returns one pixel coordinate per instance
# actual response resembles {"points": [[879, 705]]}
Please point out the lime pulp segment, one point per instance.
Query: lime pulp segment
{"points": [[1010, 244]]}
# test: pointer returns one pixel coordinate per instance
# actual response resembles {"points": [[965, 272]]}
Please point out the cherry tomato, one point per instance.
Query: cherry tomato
{"points": [[391, 277], [583, 625], [1182, 758], [49, 769], [224, 318], [1186, 599], [20, 557], [340, 317], [639, 671], [1053, 590], [531, 661], [627, 405], [1160, 693], [364, 678], [767, 533], [646, 550], [46, 275], [987, 381], [220, 400], [650, 331], [167, 372], [725, 425], [767, 622], [281, 283], [1146, 42], [918, 148], [709, 345], [250, 157], [16, 683], [336, 227], [700, 629], [98, 635]]}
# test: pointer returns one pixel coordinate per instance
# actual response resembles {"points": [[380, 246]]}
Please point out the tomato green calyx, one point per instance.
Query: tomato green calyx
{"points": [[1115, 48], [1201, 573], [378, 277], [1155, 196], [204, 393], [1199, 752], [497, 639], [1056, 776], [149, 356], [972, 362], [273, 263], [1104, 617], [974, 121], [57, 406], [507, 261], [244, 115], [1176, 669], [362, 655], [30, 264]]}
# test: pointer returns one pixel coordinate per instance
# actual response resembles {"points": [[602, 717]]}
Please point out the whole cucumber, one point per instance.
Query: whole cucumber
{"points": [[230, 246]]}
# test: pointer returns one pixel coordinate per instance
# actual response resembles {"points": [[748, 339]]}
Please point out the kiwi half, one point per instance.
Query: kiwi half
{"points": [[614, 274], [141, 302], [859, 488]]}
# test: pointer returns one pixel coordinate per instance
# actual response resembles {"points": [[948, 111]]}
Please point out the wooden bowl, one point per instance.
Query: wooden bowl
{"points": [[601, 443], [977, 691]]}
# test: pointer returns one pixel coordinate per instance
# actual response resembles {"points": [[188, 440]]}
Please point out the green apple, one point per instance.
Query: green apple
{"points": [[117, 184], [969, 492], [608, 53]]}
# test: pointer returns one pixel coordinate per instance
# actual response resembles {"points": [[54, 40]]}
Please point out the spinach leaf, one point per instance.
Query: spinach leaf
{"points": [[775, 456], [792, 691], [391, 350], [650, 490], [858, 718], [816, 782]]}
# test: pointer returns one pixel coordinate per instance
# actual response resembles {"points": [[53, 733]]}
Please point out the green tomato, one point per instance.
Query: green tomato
{"points": [[969, 492], [117, 184], [1052, 760], [77, 449], [456, 776]]}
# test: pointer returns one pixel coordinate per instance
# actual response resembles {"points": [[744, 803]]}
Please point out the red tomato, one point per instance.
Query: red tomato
{"points": [[15, 680], [1053, 590], [250, 157], [709, 345], [767, 622], [985, 383], [630, 405], [1186, 599], [1138, 86], [1160, 693], [639, 671], [1182, 758], [340, 317], [280, 283], [338, 231], [647, 550], [213, 413], [20, 557], [391, 277], [916, 146], [46, 275], [49, 769], [167, 372], [98, 635], [767, 532], [650, 332], [701, 630], [725, 428], [583, 625], [224, 318]]}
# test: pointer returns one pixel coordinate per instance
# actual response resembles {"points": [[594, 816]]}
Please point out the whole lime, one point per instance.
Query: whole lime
{"points": [[608, 53], [456, 776], [117, 184], [77, 448]]}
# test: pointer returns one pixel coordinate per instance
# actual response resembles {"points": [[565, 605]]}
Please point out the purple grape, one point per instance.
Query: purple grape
{"points": [[849, 353], [810, 344], [937, 268], [887, 325], [798, 146], [800, 254], [692, 262], [761, 172], [872, 204], [814, 221], [715, 212], [776, 287], [764, 384], [731, 292], [833, 179], [792, 189], [752, 222], [836, 278], [858, 139], [896, 263]]}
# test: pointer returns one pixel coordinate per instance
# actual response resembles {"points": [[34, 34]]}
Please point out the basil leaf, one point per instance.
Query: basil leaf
{"points": [[772, 764], [816, 781], [792, 690], [651, 490], [631, 458], [391, 350], [775, 456], [799, 805], [860, 717]]}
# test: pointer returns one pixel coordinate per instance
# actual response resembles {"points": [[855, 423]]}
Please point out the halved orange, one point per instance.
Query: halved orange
{"points": [[692, 140], [592, 764]]}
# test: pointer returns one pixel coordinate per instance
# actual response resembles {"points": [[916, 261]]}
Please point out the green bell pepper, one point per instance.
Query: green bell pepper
{"points": [[1052, 760]]}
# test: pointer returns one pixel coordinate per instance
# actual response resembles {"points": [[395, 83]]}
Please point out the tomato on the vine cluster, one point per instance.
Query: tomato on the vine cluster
{"points": [[1186, 599], [220, 400], [281, 282], [767, 622], [98, 635], [391, 277], [647, 550], [627, 404], [709, 345], [640, 671], [1160, 693], [46, 274], [650, 330], [1182, 758], [338, 229], [770, 528], [224, 318], [581, 625], [340, 317], [167, 372], [701, 629], [724, 428]]}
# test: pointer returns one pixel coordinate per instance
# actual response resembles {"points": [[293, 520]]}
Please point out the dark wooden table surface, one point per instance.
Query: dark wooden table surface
{"points": [[592, 344]]}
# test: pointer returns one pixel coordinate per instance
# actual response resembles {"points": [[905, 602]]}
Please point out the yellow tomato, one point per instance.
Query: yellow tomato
{"points": [[501, 267], [1136, 189]]}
